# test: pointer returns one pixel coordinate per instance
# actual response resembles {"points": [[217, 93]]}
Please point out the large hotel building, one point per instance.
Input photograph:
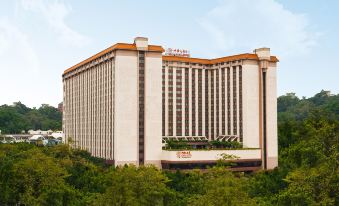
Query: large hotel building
{"points": [[124, 103]]}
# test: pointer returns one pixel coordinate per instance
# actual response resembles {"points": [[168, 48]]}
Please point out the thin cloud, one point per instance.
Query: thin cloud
{"points": [[55, 13], [248, 24], [16, 52]]}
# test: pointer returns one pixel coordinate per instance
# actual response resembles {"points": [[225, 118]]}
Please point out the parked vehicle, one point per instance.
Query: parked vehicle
{"points": [[52, 142], [38, 140]]}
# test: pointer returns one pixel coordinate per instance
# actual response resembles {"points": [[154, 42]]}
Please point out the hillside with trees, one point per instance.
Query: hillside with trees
{"points": [[308, 171], [18, 117]]}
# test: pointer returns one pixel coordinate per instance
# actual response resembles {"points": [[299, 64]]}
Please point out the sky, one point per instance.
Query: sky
{"points": [[39, 39]]}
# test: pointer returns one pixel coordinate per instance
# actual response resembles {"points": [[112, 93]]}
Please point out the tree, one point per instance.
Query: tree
{"points": [[222, 188], [135, 186]]}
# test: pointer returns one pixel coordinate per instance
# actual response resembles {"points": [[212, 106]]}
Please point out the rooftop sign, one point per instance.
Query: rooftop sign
{"points": [[177, 52]]}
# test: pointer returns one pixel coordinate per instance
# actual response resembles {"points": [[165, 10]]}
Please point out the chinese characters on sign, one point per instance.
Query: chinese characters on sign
{"points": [[177, 52], [184, 154]]}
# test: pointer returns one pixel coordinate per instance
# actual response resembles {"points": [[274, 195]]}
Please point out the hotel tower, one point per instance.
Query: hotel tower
{"points": [[124, 103]]}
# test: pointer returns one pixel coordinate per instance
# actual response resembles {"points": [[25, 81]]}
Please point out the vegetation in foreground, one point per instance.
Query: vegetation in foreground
{"points": [[308, 171]]}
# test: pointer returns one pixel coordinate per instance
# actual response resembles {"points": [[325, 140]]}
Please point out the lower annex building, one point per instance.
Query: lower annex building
{"points": [[124, 103]]}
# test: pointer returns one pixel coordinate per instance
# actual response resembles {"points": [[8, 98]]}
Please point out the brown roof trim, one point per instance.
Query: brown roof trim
{"points": [[217, 60], [118, 46]]}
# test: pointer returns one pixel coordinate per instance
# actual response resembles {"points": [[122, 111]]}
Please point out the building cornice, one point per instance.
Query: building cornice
{"points": [[117, 46], [217, 60]]}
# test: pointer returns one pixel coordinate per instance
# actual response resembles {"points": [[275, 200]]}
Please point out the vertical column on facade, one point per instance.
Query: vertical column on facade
{"points": [[183, 101], [141, 105], [97, 105], [109, 105], [74, 110], [224, 104], [174, 101], [171, 101], [207, 104], [231, 101], [91, 97], [190, 100], [102, 107], [166, 99], [217, 101], [99, 112], [103, 123], [80, 120], [238, 106], [87, 109], [105, 109], [163, 122], [235, 100], [212, 103], [199, 118], [179, 102], [113, 107], [203, 102], [187, 104], [65, 110], [196, 121], [220, 101], [193, 102], [94, 110]]}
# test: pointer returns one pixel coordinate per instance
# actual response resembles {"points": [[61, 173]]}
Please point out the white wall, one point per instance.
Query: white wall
{"points": [[272, 134], [126, 108], [153, 108], [250, 88]]}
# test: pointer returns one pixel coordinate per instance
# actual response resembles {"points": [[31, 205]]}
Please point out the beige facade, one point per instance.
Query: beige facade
{"points": [[121, 103]]}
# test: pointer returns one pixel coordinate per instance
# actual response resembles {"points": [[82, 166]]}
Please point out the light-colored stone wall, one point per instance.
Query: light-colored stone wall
{"points": [[153, 108], [272, 133], [126, 107], [250, 91]]}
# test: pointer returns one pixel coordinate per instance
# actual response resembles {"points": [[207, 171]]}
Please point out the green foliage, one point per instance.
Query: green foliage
{"points": [[225, 144], [18, 117], [177, 144], [215, 144], [308, 172], [308, 133], [135, 186], [222, 187]]}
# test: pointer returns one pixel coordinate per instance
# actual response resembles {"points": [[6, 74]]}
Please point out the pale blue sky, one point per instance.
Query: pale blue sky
{"points": [[40, 39]]}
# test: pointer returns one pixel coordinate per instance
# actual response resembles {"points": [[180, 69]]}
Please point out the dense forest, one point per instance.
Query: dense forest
{"points": [[18, 117], [308, 171]]}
